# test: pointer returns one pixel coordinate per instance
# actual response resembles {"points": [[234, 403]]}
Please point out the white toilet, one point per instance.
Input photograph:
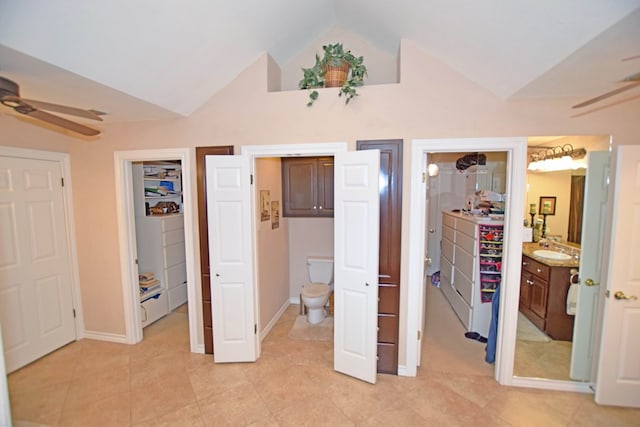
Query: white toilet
{"points": [[316, 293]]}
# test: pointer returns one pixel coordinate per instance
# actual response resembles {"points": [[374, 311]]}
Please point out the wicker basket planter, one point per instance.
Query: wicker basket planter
{"points": [[337, 68]]}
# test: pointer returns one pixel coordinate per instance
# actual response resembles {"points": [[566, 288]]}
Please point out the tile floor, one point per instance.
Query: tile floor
{"points": [[159, 383]]}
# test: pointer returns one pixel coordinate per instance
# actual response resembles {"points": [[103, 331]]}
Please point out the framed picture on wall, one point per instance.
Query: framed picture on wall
{"points": [[547, 205], [275, 214], [265, 207]]}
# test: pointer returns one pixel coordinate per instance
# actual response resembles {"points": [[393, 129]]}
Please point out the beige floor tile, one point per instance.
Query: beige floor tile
{"points": [[187, 416], [240, 405], [110, 411], [43, 405], [158, 382]]}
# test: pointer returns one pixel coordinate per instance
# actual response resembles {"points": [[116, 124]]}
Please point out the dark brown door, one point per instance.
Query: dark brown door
{"points": [[201, 152], [390, 239]]}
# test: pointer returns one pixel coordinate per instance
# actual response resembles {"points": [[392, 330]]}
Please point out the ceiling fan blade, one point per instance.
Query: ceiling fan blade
{"points": [[64, 123], [607, 95], [62, 109]]}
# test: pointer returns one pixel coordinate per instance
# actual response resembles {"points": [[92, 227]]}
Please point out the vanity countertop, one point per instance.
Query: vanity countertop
{"points": [[529, 248]]}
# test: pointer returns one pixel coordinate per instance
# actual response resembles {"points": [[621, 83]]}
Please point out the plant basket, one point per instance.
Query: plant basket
{"points": [[336, 76]]}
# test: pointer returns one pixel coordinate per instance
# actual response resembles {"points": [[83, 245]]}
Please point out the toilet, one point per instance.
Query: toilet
{"points": [[315, 294]]}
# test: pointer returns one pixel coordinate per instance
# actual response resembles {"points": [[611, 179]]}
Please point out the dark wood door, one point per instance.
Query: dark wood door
{"points": [[201, 152], [390, 239]]}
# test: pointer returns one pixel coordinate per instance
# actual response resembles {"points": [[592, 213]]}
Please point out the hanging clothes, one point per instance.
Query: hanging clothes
{"points": [[493, 327]]}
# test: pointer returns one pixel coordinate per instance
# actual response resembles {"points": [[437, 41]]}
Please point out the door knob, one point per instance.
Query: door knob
{"points": [[431, 230], [428, 260], [590, 282], [621, 295]]}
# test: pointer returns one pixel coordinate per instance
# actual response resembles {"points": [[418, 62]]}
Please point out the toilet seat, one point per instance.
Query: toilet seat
{"points": [[314, 290]]}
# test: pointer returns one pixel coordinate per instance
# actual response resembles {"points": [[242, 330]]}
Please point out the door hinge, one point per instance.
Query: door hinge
{"points": [[62, 181], [251, 179], [74, 313], [255, 328], [606, 294], [419, 335], [424, 177]]}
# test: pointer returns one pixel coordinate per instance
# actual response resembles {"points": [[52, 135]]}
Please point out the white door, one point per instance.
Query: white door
{"points": [[618, 379], [357, 229], [36, 305], [231, 258], [594, 212]]}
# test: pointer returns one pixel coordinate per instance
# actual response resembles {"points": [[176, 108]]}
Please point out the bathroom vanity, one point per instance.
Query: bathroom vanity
{"points": [[544, 285]]}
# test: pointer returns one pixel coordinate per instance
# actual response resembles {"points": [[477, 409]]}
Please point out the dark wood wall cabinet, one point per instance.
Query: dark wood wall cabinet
{"points": [[307, 186], [390, 238], [543, 296], [207, 320]]}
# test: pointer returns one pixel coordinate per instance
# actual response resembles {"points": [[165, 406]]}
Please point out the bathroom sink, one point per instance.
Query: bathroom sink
{"points": [[558, 256]]}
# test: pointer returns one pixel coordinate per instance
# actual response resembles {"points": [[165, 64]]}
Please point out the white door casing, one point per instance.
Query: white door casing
{"points": [[618, 378], [357, 229], [36, 297], [230, 229], [593, 230]]}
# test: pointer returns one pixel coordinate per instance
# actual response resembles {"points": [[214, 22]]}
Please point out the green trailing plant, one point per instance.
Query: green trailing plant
{"points": [[334, 55]]}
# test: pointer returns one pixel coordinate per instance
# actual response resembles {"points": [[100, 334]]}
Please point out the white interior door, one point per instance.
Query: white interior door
{"points": [[595, 205], [36, 304], [618, 379], [231, 258], [357, 229]]}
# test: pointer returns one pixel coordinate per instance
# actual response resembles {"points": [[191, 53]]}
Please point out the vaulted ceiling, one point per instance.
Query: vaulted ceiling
{"points": [[149, 59]]}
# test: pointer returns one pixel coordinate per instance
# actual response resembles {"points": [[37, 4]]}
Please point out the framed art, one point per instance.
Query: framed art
{"points": [[265, 206], [547, 205]]}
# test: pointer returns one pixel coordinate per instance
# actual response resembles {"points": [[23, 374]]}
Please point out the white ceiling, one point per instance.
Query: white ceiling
{"points": [[149, 59]]}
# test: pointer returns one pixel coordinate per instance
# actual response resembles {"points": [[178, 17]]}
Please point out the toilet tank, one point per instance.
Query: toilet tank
{"points": [[320, 269]]}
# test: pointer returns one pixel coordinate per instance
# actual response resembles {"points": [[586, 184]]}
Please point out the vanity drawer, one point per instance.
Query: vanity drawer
{"points": [[449, 221], [464, 286], [467, 243], [447, 250], [468, 228], [172, 237], [534, 267], [448, 233], [174, 254], [153, 308], [173, 223]]}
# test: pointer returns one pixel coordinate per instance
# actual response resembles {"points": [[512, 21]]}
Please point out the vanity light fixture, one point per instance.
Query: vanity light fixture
{"points": [[558, 158]]}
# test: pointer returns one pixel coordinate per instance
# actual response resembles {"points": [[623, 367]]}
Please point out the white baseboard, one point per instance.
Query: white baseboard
{"points": [[103, 336], [198, 348], [295, 300], [402, 371], [272, 322]]}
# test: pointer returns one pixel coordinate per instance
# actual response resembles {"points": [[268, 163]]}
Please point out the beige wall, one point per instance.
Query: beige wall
{"points": [[430, 101], [272, 244], [307, 237]]}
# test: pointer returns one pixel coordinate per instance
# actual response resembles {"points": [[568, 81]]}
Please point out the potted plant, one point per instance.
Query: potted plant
{"points": [[337, 68]]}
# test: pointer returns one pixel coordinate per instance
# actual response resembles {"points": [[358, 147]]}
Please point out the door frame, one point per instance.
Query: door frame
{"points": [[280, 150], [63, 159], [127, 236], [516, 149]]}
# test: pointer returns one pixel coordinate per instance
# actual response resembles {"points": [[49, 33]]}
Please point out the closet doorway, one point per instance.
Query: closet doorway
{"points": [[129, 257]]}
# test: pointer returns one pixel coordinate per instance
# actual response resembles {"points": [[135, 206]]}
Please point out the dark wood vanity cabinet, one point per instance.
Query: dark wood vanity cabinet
{"points": [[543, 298], [389, 255], [307, 186]]}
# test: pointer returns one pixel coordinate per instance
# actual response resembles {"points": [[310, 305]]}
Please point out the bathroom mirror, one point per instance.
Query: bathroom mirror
{"points": [[537, 355]]}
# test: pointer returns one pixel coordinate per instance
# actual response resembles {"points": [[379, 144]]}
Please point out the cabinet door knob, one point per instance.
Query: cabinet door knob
{"points": [[320, 207], [217, 274]]}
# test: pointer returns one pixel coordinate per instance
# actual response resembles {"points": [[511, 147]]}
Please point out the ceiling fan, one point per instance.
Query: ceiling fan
{"points": [[10, 96], [632, 79]]}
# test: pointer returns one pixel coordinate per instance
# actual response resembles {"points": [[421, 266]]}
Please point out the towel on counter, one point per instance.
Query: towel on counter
{"points": [[572, 299]]}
